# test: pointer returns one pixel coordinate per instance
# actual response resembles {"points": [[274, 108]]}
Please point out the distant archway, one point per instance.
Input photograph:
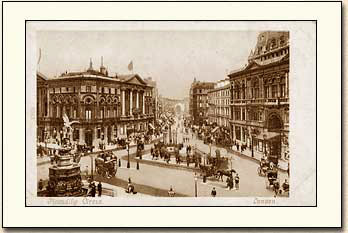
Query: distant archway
{"points": [[179, 109]]}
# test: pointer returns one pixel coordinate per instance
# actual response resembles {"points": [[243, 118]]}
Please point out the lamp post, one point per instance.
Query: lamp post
{"points": [[128, 163], [91, 167], [195, 177], [253, 134], [264, 144]]}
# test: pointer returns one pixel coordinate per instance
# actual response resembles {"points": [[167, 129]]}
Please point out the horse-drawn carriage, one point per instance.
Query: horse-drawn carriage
{"points": [[266, 164], [166, 151], [216, 167], [106, 164], [83, 148]]}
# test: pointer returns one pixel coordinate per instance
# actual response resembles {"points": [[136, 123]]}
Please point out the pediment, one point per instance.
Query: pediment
{"points": [[136, 80], [252, 66]]}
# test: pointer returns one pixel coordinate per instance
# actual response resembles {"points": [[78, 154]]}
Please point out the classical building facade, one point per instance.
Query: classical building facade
{"points": [[260, 94], [105, 107], [219, 103], [198, 107]]}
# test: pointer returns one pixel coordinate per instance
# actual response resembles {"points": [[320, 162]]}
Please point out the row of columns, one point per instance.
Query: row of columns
{"points": [[131, 102], [261, 90]]}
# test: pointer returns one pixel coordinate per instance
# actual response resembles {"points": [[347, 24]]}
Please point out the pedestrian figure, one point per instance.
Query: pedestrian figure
{"points": [[236, 180], [230, 183], [276, 187], [288, 170], [152, 153], [130, 187], [40, 186], [213, 192], [99, 189], [171, 192], [286, 186], [93, 190]]}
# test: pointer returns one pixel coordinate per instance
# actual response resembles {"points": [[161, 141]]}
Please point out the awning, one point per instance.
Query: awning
{"points": [[151, 126], [216, 128], [267, 135]]}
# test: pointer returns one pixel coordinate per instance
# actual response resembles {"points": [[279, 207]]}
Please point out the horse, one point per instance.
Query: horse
{"points": [[220, 173]]}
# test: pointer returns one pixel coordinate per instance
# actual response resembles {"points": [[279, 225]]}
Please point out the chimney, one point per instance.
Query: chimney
{"points": [[90, 65], [102, 68]]}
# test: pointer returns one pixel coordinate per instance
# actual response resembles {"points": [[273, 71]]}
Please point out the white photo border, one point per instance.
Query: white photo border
{"points": [[328, 17]]}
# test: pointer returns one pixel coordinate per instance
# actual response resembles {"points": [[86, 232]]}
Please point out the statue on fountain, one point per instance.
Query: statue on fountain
{"points": [[65, 176]]}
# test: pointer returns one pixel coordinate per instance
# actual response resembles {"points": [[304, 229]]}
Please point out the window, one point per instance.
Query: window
{"points": [[267, 92], [88, 114], [274, 91], [238, 132], [88, 88], [282, 90], [57, 111], [237, 114], [243, 115], [98, 133], [102, 113], [68, 112]]}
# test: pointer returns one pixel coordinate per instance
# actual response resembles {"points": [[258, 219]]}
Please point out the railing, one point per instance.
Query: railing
{"points": [[261, 101]]}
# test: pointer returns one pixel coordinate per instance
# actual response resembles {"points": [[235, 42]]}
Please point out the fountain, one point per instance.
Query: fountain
{"points": [[65, 176]]}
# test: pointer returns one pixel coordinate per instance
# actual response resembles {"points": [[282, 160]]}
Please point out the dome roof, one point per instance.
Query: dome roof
{"points": [[269, 40]]}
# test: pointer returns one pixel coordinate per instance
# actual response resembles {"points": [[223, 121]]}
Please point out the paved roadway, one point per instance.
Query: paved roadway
{"points": [[161, 178]]}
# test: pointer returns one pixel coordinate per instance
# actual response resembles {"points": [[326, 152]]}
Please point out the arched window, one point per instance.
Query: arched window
{"points": [[88, 113]]}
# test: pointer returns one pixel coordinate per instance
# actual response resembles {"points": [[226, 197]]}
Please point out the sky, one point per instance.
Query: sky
{"points": [[172, 58]]}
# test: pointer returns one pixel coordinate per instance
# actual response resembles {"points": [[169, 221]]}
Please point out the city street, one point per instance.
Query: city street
{"points": [[153, 177]]}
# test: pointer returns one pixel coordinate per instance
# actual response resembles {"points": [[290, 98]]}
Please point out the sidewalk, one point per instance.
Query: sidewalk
{"points": [[282, 164], [109, 190]]}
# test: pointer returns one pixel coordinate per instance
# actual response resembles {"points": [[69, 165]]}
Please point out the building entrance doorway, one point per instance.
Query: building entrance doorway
{"points": [[275, 126], [88, 137]]}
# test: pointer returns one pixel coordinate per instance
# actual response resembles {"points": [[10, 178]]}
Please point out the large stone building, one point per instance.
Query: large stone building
{"points": [[198, 107], [219, 103], [105, 107], [260, 94]]}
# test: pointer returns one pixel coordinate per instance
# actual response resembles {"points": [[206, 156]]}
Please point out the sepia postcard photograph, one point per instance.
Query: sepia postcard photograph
{"points": [[166, 114]]}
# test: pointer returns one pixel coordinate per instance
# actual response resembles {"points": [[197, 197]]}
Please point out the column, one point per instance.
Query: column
{"points": [[123, 103], [48, 102], [143, 102], [105, 134], [234, 132], [130, 101], [112, 132], [94, 138], [241, 134], [137, 100], [82, 135]]}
